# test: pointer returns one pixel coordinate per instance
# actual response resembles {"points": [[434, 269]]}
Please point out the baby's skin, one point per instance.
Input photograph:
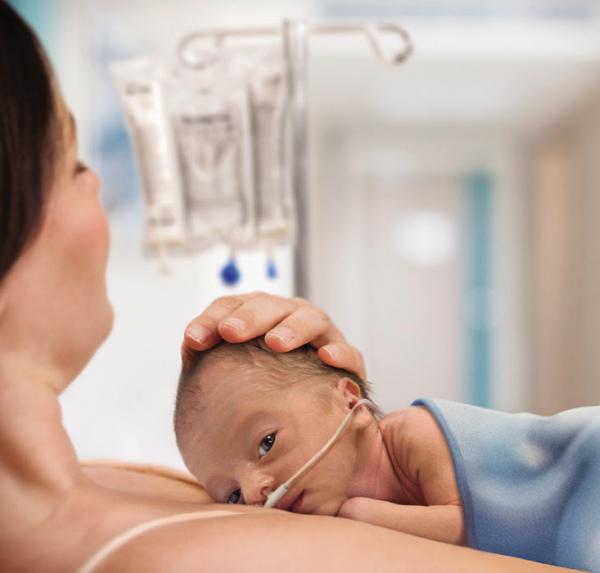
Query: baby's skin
{"points": [[423, 497], [246, 438]]}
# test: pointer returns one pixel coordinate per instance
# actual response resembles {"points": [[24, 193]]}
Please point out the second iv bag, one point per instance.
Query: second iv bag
{"points": [[212, 129]]}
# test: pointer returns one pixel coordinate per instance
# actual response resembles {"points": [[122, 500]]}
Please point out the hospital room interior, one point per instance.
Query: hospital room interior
{"points": [[444, 209]]}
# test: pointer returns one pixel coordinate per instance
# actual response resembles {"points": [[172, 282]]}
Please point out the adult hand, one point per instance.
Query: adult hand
{"points": [[287, 323]]}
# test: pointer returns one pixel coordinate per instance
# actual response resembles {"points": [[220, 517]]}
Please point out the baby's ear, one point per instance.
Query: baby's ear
{"points": [[348, 390]]}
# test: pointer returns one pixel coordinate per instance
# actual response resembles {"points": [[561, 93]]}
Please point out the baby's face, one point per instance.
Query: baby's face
{"points": [[248, 440]]}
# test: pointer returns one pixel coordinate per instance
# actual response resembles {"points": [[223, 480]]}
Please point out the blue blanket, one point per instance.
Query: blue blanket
{"points": [[530, 485]]}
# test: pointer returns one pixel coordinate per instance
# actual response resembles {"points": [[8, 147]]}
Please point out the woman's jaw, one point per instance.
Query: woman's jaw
{"points": [[54, 309]]}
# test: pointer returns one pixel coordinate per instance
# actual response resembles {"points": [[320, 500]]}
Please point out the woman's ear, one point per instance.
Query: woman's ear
{"points": [[349, 391]]}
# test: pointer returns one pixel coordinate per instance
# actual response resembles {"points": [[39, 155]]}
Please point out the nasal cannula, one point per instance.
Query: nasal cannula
{"points": [[275, 496]]}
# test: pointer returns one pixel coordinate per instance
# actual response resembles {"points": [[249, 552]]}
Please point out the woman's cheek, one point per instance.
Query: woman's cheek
{"points": [[80, 229]]}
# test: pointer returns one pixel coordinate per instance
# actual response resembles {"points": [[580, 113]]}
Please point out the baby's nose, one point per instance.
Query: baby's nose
{"points": [[259, 488]]}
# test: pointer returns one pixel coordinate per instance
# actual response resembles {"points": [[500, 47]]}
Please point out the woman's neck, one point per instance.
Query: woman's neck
{"points": [[38, 465]]}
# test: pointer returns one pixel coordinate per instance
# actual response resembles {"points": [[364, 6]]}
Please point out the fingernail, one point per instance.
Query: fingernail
{"points": [[332, 351], [284, 334], [198, 333], [234, 323]]}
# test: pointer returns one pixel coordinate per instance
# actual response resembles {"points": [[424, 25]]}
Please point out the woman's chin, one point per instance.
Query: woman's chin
{"points": [[109, 321], [103, 324]]}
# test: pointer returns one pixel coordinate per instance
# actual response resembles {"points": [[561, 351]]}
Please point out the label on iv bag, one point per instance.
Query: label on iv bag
{"points": [[209, 142]]}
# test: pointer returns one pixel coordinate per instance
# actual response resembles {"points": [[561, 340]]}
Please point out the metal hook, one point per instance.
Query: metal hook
{"points": [[188, 56], [372, 32]]}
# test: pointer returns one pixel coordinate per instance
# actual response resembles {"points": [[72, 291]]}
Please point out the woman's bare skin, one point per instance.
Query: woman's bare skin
{"points": [[62, 513]]}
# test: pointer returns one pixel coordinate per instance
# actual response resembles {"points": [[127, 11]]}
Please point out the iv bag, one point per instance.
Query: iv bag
{"points": [[212, 143], [263, 70], [141, 92], [268, 96], [212, 128]]}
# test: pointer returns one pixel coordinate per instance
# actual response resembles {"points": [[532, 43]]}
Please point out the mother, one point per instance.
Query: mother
{"points": [[54, 314]]}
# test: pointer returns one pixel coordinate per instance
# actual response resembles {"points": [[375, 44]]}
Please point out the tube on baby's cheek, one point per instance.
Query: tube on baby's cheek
{"points": [[141, 93], [275, 496]]}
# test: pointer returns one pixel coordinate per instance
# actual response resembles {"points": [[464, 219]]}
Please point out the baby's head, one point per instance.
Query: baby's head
{"points": [[247, 418]]}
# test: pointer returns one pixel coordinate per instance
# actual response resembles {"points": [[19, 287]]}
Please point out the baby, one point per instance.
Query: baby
{"points": [[246, 419]]}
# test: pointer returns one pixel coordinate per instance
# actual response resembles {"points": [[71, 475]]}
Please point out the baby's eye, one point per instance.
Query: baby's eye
{"points": [[266, 444], [235, 496]]}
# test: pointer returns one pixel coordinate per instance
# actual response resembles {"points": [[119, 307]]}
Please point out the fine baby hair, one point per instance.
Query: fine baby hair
{"points": [[254, 360]]}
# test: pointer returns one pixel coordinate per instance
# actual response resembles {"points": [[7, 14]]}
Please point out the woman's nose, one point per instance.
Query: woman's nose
{"points": [[94, 180], [257, 488]]}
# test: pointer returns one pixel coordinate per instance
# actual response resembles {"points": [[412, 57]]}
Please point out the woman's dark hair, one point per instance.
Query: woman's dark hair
{"points": [[28, 123]]}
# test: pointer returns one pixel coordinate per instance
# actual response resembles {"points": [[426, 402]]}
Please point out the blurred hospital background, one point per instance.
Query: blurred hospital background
{"points": [[454, 204]]}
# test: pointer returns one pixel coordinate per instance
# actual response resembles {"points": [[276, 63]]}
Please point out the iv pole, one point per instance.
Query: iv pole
{"points": [[295, 35], [294, 38]]}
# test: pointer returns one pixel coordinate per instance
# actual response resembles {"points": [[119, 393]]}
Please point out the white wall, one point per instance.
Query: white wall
{"points": [[410, 319]]}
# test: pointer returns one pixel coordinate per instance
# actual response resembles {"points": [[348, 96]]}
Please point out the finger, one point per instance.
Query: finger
{"points": [[203, 332], [256, 316], [307, 324], [345, 356]]}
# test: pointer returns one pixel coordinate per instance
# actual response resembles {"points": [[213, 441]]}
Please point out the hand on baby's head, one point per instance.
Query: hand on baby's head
{"points": [[247, 418]]}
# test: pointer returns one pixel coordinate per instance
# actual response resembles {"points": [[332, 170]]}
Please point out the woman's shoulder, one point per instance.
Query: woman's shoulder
{"points": [[271, 540], [153, 481]]}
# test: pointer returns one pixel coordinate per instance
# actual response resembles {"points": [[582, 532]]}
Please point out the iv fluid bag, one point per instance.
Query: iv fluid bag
{"points": [[141, 93], [211, 130], [268, 101], [212, 144], [263, 70]]}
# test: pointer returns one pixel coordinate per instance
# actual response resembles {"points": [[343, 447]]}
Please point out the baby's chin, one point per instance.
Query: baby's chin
{"points": [[311, 505]]}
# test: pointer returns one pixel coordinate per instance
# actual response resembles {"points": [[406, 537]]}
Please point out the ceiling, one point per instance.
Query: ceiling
{"points": [[556, 9], [502, 76]]}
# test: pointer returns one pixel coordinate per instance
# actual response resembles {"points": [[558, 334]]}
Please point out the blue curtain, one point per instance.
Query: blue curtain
{"points": [[479, 204]]}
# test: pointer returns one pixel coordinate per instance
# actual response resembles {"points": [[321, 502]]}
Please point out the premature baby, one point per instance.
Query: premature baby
{"points": [[246, 419]]}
